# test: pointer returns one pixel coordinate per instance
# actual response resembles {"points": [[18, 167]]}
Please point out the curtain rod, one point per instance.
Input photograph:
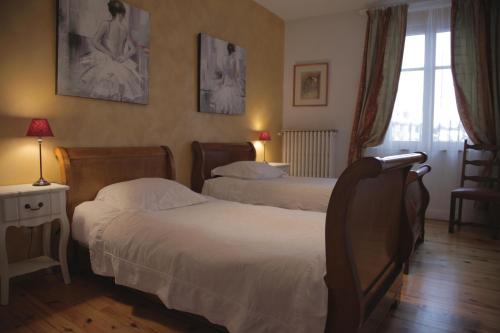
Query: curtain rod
{"points": [[413, 6]]}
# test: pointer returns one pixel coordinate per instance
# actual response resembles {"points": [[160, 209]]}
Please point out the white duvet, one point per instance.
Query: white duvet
{"points": [[248, 268], [305, 193]]}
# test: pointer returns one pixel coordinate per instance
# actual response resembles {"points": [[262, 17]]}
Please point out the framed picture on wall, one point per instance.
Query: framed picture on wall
{"points": [[310, 85], [103, 50], [222, 76]]}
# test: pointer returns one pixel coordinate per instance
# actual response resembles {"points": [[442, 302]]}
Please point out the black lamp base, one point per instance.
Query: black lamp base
{"points": [[41, 182]]}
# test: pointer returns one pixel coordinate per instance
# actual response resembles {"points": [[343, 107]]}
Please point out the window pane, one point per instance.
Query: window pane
{"points": [[406, 122], [443, 49], [414, 53], [447, 125]]}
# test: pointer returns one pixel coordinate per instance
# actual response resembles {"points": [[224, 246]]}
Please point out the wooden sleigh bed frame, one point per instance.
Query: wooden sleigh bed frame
{"points": [[208, 156], [367, 232]]}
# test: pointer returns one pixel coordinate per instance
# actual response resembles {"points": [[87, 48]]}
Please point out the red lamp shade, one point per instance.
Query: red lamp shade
{"points": [[265, 136], [39, 128]]}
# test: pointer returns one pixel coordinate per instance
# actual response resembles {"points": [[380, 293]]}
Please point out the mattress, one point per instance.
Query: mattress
{"points": [[248, 268], [304, 193], [87, 216]]}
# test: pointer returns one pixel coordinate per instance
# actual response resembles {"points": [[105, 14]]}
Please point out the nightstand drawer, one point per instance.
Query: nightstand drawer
{"points": [[34, 205], [9, 209]]}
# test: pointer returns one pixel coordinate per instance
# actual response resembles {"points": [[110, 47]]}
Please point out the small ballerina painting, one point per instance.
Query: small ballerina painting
{"points": [[222, 76], [103, 50]]}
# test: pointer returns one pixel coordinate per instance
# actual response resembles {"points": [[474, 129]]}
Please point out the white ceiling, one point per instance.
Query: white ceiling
{"points": [[297, 9]]}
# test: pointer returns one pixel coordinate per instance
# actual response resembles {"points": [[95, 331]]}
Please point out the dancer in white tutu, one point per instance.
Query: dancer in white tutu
{"points": [[112, 74], [229, 97]]}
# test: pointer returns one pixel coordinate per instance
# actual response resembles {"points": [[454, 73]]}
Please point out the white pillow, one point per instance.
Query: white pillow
{"points": [[248, 170], [149, 194]]}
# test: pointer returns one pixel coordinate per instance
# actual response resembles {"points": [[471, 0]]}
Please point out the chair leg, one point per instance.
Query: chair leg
{"points": [[407, 267], [452, 216], [459, 221]]}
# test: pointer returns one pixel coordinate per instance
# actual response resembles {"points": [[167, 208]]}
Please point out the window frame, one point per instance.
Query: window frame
{"points": [[429, 78]]}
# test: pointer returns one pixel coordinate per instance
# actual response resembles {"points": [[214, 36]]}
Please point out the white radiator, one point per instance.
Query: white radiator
{"points": [[310, 153]]}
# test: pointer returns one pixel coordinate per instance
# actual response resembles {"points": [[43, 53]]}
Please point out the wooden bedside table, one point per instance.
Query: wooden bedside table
{"points": [[32, 206], [283, 166]]}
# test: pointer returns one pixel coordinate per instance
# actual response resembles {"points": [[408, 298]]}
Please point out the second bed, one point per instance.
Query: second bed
{"points": [[302, 193]]}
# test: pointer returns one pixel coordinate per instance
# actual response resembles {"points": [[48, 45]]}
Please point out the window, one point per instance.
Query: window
{"points": [[447, 125], [407, 117], [425, 116], [425, 112]]}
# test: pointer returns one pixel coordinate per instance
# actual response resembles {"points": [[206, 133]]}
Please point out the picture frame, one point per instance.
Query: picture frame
{"points": [[86, 64], [221, 76], [310, 84]]}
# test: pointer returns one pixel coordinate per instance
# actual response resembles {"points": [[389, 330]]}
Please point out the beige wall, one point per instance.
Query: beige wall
{"points": [[28, 71], [27, 81], [339, 40]]}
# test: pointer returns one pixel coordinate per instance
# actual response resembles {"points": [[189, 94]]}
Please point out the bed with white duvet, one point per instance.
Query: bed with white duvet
{"points": [[248, 268], [228, 171], [259, 183], [304, 193]]}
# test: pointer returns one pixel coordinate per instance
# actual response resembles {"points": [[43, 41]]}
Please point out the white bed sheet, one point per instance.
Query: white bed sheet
{"points": [[87, 216], [305, 193], [248, 268]]}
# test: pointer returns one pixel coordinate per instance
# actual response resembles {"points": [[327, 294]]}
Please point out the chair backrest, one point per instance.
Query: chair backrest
{"points": [[490, 175]]}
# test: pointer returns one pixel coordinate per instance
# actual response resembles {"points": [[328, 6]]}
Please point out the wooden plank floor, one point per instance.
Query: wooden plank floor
{"points": [[453, 286]]}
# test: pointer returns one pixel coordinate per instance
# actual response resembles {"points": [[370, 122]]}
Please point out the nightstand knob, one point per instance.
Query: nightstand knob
{"points": [[28, 206]]}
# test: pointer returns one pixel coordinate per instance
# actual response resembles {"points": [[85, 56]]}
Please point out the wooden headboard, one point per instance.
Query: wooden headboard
{"points": [[207, 156], [87, 170]]}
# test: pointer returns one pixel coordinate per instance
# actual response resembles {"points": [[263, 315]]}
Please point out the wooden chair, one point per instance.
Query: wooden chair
{"points": [[417, 200], [488, 190]]}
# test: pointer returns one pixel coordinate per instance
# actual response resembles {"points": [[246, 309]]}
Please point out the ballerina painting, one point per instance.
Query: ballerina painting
{"points": [[222, 76], [103, 50]]}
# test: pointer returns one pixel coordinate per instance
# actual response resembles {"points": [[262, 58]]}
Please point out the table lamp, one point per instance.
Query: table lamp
{"points": [[40, 128], [264, 136]]}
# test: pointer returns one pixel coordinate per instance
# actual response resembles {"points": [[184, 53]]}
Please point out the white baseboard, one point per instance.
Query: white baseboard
{"points": [[468, 215], [438, 214]]}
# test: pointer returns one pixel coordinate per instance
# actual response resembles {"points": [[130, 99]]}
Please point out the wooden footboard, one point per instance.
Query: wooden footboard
{"points": [[416, 202], [366, 241]]}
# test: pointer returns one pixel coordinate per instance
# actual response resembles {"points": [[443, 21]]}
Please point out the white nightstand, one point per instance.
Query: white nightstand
{"points": [[283, 166], [31, 206]]}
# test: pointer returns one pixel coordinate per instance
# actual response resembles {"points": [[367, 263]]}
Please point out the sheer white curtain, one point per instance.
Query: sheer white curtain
{"points": [[425, 116]]}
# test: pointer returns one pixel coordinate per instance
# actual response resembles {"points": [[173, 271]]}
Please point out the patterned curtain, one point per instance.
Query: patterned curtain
{"points": [[475, 43], [383, 55]]}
